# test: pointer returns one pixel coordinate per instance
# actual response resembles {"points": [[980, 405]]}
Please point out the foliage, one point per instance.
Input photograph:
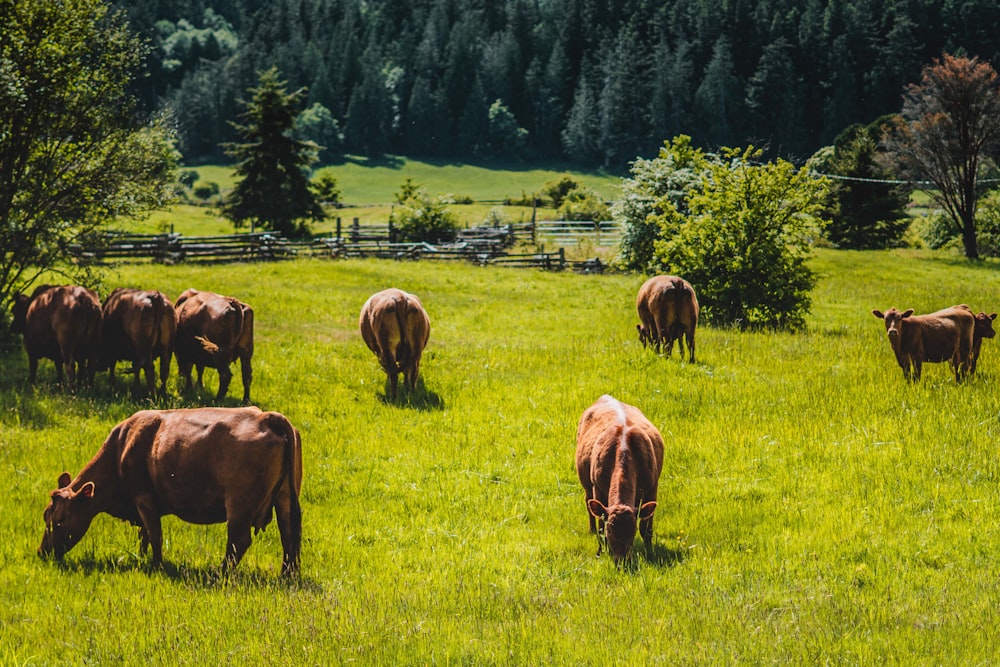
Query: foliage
{"points": [[507, 138], [205, 190], [812, 504], [584, 204], [662, 182], [949, 126], [595, 86], [744, 244], [869, 211], [273, 190], [420, 217], [558, 188], [74, 153], [317, 124], [326, 188]]}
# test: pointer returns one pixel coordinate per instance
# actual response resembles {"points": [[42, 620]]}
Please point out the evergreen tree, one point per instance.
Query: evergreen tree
{"points": [[272, 165], [718, 100]]}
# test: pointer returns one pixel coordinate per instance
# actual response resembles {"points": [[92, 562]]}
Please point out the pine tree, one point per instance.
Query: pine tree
{"points": [[273, 188]]}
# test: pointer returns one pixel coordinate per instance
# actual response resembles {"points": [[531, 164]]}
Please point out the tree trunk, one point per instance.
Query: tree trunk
{"points": [[969, 235]]}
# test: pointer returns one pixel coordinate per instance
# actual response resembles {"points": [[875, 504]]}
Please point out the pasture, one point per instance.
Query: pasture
{"points": [[813, 508]]}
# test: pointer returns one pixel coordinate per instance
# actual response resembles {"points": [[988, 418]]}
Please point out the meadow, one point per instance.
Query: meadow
{"points": [[814, 507]]}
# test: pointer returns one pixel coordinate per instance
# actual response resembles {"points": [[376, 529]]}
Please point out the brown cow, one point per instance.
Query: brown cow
{"points": [[668, 311], [983, 329], [619, 455], [945, 335], [139, 326], [214, 330], [205, 465], [395, 327], [61, 323]]}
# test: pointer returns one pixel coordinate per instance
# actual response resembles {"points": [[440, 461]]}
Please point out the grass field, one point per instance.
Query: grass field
{"points": [[814, 507]]}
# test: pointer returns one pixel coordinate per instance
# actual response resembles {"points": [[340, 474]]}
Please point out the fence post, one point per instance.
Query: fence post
{"points": [[562, 258], [355, 230], [392, 232], [338, 226], [534, 205]]}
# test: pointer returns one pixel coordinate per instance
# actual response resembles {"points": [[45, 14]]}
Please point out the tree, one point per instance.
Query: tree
{"points": [[745, 242], [75, 154], [420, 217], [273, 187], [870, 208], [948, 128], [317, 124]]}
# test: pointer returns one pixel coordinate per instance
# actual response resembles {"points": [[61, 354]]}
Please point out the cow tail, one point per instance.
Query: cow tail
{"points": [[402, 308], [207, 345], [159, 306], [292, 461]]}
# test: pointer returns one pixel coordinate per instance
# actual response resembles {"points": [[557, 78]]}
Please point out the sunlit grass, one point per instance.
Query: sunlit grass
{"points": [[814, 506]]}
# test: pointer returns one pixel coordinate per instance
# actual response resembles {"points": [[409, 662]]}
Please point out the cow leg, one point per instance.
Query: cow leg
{"points": [[916, 369], [410, 374], [164, 370], [201, 372], [150, 533], [184, 370], [246, 372], [32, 369], [225, 377], [392, 376], [70, 370], [239, 542], [111, 372], [690, 341]]}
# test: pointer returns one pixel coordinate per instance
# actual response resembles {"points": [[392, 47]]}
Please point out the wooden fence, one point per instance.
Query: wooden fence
{"points": [[479, 245]]}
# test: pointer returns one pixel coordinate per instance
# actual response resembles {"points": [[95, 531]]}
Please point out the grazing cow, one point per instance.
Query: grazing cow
{"points": [[205, 465], [983, 329], [61, 323], [395, 327], [214, 330], [139, 326], [619, 455], [945, 335], [668, 311]]}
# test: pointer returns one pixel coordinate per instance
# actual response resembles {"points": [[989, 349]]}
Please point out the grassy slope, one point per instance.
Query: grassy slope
{"points": [[813, 506]]}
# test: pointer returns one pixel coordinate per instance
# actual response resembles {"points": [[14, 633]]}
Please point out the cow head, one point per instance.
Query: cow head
{"points": [[620, 522], [893, 321], [19, 313], [984, 325], [67, 517], [644, 336]]}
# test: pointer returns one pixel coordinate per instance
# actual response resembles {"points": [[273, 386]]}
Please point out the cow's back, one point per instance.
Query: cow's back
{"points": [[600, 444], [193, 460], [210, 316], [63, 321]]}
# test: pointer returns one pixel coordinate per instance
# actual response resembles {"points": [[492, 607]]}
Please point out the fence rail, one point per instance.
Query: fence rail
{"points": [[479, 245]]}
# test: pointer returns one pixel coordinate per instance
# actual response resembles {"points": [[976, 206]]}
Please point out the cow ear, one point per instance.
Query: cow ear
{"points": [[879, 314], [647, 509], [597, 509], [64, 480], [87, 491], [907, 312], [993, 316]]}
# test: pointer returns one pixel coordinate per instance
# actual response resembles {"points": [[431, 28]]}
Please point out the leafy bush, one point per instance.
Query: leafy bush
{"points": [[745, 241], [664, 180], [584, 204], [205, 190], [419, 217], [557, 189]]}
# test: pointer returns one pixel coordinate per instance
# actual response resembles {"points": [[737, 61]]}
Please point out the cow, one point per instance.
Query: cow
{"points": [[395, 327], [61, 323], [983, 329], [203, 465], [139, 326], [214, 330], [619, 455], [945, 335], [668, 311]]}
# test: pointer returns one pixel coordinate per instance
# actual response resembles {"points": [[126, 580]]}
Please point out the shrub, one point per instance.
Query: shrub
{"points": [[746, 239], [584, 204], [557, 189], [420, 217], [665, 180], [205, 190], [326, 188]]}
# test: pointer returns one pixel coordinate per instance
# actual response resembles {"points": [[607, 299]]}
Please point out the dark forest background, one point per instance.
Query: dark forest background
{"points": [[592, 82]]}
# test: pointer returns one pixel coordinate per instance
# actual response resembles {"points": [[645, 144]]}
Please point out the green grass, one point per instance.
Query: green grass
{"points": [[814, 507], [365, 182]]}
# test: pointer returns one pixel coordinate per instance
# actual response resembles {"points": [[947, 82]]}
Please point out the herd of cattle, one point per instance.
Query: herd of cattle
{"points": [[240, 465]]}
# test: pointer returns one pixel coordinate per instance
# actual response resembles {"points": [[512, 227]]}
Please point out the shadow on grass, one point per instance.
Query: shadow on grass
{"points": [[200, 577], [420, 398]]}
